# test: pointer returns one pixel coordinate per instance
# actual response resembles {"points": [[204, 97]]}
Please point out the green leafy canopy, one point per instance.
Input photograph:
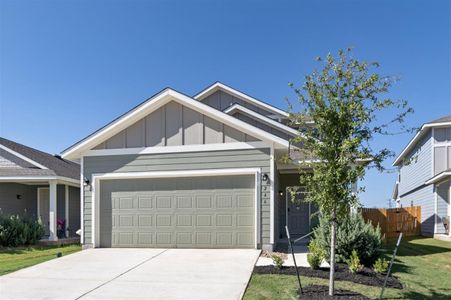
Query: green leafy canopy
{"points": [[343, 107]]}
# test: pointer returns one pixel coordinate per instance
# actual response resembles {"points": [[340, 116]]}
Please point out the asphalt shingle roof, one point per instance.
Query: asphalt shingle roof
{"points": [[442, 119], [55, 164]]}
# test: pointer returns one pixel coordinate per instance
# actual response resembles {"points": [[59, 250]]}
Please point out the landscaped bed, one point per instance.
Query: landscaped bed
{"points": [[423, 266], [314, 292], [366, 276]]}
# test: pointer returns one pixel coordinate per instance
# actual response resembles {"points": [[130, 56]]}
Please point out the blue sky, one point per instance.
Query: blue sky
{"points": [[69, 67]]}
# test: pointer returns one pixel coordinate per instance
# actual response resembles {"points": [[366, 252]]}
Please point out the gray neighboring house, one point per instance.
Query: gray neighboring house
{"points": [[190, 172], [39, 185], [424, 177]]}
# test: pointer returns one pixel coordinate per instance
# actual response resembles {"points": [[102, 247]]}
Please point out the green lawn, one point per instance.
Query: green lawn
{"points": [[423, 266], [13, 259]]}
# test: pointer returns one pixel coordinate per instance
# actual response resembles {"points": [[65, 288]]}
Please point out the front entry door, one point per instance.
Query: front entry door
{"points": [[298, 212], [43, 208]]}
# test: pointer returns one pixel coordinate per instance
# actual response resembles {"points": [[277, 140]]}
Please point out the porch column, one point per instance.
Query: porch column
{"points": [[66, 206], [52, 211]]}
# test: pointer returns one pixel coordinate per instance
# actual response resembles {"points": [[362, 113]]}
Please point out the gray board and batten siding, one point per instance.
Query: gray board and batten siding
{"points": [[175, 125]]}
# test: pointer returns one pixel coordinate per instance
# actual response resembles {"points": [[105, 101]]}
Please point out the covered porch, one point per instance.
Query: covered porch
{"points": [[53, 201]]}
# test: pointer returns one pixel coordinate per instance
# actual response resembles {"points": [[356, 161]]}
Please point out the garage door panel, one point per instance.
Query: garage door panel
{"points": [[204, 202], [147, 213], [145, 202], [145, 220], [164, 239], [184, 202], [204, 220], [164, 220], [163, 202], [145, 238]]}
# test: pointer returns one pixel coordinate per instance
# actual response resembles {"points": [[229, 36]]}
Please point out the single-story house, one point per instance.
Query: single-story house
{"points": [[41, 186], [194, 172], [424, 176]]}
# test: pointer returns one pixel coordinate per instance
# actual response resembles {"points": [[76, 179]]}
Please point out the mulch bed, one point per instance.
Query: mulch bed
{"points": [[322, 292], [366, 276]]}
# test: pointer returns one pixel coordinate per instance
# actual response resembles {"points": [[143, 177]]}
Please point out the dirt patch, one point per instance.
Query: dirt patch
{"points": [[268, 254], [366, 276], [322, 292]]}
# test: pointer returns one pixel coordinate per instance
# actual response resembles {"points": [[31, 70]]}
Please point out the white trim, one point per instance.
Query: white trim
{"points": [[271, 196], [264, 119], [23, 157], [416, 138], [178, 149], [438, 177], [220, 86], [156, 102], [66, 208], [53, 210], [449, 208], [435, 208], [171, 174], [43, 178], [82, 202], [432, 152]]}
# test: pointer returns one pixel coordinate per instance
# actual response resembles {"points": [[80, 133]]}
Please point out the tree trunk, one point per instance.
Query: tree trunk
{"points": [[333, 234]]}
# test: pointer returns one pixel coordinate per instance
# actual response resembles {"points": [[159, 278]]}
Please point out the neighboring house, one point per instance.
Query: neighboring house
{"points": [[425, 175], [39, 185], [194, 172]]}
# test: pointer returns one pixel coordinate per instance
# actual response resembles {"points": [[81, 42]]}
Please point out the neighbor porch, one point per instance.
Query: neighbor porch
{"points": [[53, 202]]}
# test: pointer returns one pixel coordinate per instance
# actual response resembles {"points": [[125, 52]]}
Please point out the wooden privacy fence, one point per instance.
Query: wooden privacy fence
{"points": [[395, 220]]}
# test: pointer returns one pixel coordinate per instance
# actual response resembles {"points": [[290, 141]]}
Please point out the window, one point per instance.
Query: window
{"points": [[442, 149]]}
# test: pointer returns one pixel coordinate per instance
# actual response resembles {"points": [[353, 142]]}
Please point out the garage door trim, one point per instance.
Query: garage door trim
{"points": [[97, 178]]}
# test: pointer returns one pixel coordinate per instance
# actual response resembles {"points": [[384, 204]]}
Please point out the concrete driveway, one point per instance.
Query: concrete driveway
{"points": [[135, 274]]}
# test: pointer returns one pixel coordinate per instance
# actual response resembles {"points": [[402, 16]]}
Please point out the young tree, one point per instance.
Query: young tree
{"points": [[342, 109]]}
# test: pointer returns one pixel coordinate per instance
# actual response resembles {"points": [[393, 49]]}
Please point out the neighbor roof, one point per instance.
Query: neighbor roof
{"points": [[39, 163], [443, 121]]}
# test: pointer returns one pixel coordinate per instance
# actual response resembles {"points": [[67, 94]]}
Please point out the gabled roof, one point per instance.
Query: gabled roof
{"points": [[220, 86], [39, 163], [158, 100], [441, 122], [268, 121]]}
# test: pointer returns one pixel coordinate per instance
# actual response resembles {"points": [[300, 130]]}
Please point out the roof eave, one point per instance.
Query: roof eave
{"points": [[415, 139], [439, 177], [220, 86]]}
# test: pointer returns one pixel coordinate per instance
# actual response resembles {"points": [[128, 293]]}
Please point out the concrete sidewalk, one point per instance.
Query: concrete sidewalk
{"points": [[135, 274]]}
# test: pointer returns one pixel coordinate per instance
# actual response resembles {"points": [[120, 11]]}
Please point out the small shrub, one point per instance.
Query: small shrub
{"points": [[380, 265], [353, 233], [316, 255], [16, 230], [277, 260], [354, 262]]}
